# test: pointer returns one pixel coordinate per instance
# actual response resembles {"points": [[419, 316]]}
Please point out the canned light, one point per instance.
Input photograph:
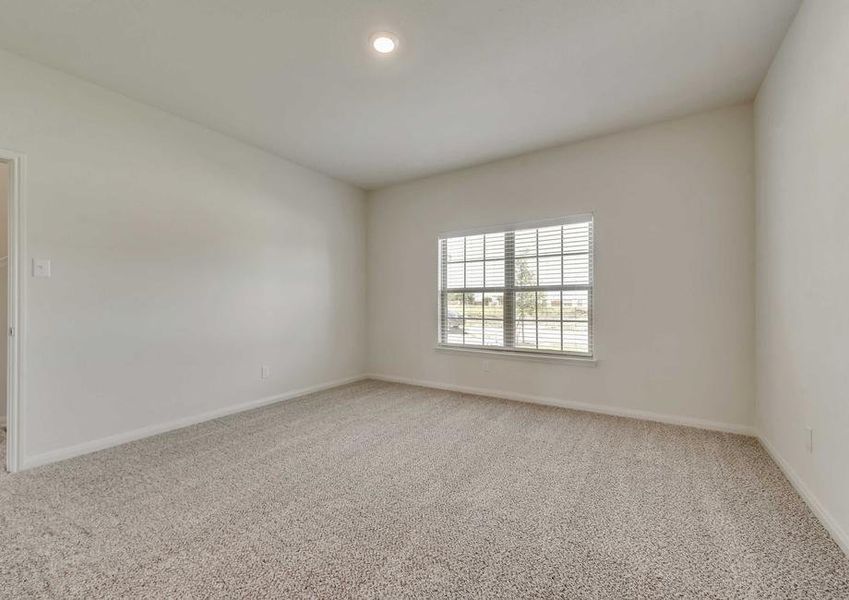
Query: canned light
{"points": [[384, 42]]}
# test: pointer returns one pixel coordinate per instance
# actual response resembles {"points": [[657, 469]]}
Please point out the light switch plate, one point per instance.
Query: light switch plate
{"points": [[41, 267]]}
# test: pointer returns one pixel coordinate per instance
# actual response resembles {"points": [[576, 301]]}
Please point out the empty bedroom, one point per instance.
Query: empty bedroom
{"points": [[403, 299]]}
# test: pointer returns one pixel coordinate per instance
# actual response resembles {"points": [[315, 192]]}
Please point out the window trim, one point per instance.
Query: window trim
{"points": [[529, 354], [532, 353]]}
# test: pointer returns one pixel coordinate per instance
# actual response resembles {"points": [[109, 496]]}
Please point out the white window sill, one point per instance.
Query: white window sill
{"points": [[533, 356]]}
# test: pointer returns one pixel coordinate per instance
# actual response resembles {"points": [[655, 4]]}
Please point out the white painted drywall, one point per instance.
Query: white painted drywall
{"points": [[674, 210], [802, 141], [472, 80], [182, 261], [4, 280]]}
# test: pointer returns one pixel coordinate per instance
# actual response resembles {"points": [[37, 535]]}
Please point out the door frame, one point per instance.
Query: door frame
{"points": [[15, 304]]}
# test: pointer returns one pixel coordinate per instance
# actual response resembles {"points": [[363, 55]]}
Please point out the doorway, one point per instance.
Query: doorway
{"points": [[11, 194]]}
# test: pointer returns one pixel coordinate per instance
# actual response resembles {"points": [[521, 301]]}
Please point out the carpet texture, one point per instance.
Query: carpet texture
{"points": [[377, 490]]}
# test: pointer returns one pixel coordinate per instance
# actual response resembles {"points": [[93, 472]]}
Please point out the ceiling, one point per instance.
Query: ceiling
{"points": [[472, 81]]}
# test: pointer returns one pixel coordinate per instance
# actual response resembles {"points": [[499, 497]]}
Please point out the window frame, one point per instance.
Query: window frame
{"points": [[509, 291]]}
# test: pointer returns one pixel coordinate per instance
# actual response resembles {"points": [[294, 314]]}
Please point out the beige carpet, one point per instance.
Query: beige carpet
{"points": [[377, 490]]}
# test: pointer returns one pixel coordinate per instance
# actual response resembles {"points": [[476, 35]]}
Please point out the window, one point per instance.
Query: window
{"points": [[526, 288]]}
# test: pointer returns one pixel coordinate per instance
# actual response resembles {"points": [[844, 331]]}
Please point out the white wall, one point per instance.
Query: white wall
{"points": [[802, 133], [4, 279], [182, 261], [674, 217]]}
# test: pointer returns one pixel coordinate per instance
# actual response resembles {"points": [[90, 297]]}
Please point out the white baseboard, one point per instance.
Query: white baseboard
{"points": [[143, 432], [596, 408], [828, 521]]}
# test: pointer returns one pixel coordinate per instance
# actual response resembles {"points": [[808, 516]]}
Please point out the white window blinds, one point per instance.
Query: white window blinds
{"points": [[519, 289]]}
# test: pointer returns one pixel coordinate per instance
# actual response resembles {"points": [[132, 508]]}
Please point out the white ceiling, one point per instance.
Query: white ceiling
{"points": [[473, 80]]}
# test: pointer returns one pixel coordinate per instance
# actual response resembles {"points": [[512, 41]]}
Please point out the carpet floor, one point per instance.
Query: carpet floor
{"points": [[377, 490]]}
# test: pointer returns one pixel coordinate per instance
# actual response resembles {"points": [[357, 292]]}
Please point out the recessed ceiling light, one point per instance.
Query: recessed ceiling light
{"points": [[384, 42]]}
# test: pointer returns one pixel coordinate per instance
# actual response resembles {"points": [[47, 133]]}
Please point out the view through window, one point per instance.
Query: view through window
{"points": [[521, 289]]}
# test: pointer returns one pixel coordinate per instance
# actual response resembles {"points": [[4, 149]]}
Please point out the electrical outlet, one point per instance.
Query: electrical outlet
{"points": [[264, 372], [809, 440], [487, 366]]}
